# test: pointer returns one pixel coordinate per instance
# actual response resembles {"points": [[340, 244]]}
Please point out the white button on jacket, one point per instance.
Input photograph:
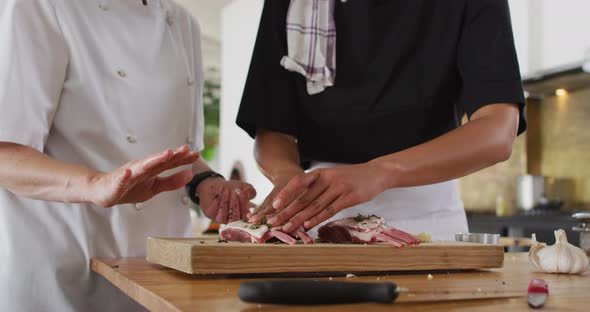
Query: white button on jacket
{"points": [[97, 83]]}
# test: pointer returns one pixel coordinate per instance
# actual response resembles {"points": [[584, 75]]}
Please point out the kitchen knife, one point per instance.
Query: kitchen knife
{"points": [[537, 293], [308, 292]]}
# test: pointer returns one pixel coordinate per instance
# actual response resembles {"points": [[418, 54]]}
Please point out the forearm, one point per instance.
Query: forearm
{"points": [[27, 172], [484, 141], [277, 155]]}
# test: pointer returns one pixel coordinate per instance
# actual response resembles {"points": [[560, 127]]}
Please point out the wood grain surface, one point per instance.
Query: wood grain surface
{"points": [[209, 256], [162, 289]]}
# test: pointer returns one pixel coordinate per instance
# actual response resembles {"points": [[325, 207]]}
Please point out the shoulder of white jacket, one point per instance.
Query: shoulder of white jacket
{"points": [[12, 8], [24, 4], [183, 13]]}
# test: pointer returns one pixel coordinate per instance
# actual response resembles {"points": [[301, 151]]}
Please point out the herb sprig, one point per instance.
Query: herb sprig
{"points": [[360, 218], [263, 222]]}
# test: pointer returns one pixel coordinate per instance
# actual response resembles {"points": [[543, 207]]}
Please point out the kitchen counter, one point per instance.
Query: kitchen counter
{"points": [[162, 289]]}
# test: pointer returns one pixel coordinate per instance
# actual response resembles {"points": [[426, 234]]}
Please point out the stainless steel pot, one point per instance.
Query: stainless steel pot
{"points": [[584, 229], [543, 192], [480, 238]]}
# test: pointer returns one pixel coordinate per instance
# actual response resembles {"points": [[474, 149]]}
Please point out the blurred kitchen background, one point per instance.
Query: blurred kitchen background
{"points": [[547, 178]]}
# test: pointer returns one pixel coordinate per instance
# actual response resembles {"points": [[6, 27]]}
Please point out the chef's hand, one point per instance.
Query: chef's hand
{"points": [[138, 180], [315, 197], [225, 201], [280, 181]]}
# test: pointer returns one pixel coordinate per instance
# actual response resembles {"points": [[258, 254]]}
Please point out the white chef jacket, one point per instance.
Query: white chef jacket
{"points": [[99, 83], [436, 209]]}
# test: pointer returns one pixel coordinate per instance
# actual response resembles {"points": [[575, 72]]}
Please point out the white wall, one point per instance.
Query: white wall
{"points": [[519, 10], [239, 28]]}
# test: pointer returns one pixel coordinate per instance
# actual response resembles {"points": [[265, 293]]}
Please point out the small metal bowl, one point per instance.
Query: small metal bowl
{"points": [[479, 238]]}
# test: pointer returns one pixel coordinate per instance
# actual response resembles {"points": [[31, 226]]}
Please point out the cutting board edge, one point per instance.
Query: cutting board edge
{"points": [[170, 252], [159, 252], [221, 269], [343, 271], [493, 258]]}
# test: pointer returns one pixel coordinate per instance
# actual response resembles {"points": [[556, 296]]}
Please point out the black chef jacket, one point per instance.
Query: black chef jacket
{"points": [[406, 71]]}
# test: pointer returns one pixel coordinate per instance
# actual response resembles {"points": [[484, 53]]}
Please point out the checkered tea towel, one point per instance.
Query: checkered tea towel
{"points": [[311, 40]]}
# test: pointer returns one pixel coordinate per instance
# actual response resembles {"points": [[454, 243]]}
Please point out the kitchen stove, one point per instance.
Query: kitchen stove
{"points": [[542, 211]]}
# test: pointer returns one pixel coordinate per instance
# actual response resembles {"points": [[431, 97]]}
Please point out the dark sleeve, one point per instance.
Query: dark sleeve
{"points": [[270, 98], [487, 58]]}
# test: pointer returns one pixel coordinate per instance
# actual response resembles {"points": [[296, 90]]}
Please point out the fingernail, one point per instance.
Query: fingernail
{"points": [[272, 220], [306, 224], [287, 227], [276, 204]]}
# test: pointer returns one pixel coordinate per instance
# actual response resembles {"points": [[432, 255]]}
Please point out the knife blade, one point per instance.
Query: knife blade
{"points": [[309, 292], [537, 292]]}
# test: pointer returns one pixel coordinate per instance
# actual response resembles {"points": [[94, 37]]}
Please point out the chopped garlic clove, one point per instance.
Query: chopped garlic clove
{"points": [[424, 237]]}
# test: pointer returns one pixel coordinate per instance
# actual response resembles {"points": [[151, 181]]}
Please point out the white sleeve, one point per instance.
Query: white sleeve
{"points": [[33, 62], [199, 134]]}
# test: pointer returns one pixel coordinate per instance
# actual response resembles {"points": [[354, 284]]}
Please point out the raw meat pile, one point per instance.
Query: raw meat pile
{"points": [[365, 229], [244, 232], [357, 230]]}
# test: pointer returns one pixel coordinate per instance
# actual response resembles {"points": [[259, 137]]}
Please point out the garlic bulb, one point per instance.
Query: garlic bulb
{"points": [[562, 257]]}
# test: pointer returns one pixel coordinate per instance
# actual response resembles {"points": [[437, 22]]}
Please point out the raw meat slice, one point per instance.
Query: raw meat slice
{"points": [[302, 235], [241, 231], [244, 232], [364, 229], [283, 237], [388, 239]]}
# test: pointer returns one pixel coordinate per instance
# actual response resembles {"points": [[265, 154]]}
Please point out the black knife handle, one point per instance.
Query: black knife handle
{"points": [[306, 292]]}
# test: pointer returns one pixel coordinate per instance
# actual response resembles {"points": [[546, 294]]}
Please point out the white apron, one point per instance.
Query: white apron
{"points": [[436, 209], [97, 83]]}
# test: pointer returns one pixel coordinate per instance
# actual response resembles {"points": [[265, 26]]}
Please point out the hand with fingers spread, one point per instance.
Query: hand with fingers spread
{"points": [[267, 209], [225, 201], [139, 180], [315, 197]]}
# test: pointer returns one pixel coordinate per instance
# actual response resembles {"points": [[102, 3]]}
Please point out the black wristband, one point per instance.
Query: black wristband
{"points": [[191, 187]]}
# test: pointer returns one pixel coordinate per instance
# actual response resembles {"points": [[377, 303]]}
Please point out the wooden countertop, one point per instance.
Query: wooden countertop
{"points": [[162, 289]]}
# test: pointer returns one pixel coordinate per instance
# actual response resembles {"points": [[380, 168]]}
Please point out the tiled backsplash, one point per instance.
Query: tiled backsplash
{"points": [[565, 152], [481, 189], [565, 137]]}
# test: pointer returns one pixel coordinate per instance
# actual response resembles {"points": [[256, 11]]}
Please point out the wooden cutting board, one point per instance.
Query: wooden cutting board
{"points": [[209, 256]]}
